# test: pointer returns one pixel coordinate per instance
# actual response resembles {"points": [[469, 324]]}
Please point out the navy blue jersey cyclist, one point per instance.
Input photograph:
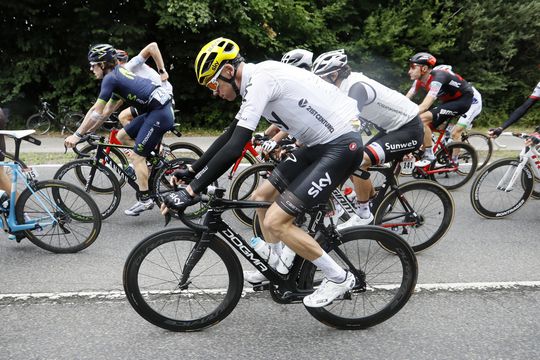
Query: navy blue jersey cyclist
{"points": [[152, 101]]}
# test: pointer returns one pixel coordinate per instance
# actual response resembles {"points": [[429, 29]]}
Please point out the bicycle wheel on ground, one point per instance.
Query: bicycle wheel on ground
{"points": [[184, 150], [450, 174], [421, 213], [483, 146], [490, 195], [385, 283], [40, 123], [116, 154], [68, 218], [72, 121], [104, 189], [243, 186], [153, 272]]}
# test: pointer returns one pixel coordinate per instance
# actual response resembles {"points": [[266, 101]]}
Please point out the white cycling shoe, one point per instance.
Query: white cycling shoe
{"points": [[355, 220], [425, 161], [328, 291], [254, 277]]}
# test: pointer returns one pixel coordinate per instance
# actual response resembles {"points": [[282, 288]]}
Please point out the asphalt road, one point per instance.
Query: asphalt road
{"points": [[478, 297]]}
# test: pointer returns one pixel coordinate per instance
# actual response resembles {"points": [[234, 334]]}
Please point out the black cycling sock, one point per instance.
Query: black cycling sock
{"points": [[144, 195]]}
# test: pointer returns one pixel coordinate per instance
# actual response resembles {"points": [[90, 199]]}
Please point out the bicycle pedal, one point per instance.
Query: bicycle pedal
{"points": [[261, 286]]}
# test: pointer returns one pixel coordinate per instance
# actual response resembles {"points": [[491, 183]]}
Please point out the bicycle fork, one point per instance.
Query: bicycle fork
{"points": [[513, 176], [193, 258]]}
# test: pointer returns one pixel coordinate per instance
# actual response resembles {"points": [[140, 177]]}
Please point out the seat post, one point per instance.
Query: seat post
{"points": [[17, 147]]}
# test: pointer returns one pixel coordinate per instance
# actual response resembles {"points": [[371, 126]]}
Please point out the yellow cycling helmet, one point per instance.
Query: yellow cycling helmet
{"points": [[211, 56]]}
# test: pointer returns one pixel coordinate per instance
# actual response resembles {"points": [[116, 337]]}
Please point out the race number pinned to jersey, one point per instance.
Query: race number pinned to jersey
{"points": [[407, 165], [161, 95]]}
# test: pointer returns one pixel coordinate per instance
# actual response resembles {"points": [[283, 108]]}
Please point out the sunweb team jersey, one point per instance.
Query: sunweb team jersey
{"points": [[444, 85], [137, 65], [297, 101], [384, 107], [122, 83], [536, 93]]}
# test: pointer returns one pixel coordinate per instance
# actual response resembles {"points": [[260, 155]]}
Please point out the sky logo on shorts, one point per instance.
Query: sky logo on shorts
{"points": [[316, 188]]}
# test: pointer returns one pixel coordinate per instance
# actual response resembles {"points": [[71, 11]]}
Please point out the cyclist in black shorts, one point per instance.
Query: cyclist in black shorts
{"points": [[119, 84], [395, 116], [455, 96], [311, 110]]}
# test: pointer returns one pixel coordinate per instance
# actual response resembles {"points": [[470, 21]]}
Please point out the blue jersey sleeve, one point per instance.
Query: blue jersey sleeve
{"points": [[107, 88]]}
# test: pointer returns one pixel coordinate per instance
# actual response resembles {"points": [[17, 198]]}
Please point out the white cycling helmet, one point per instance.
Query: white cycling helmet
{"points": [[298, 57], [329, 62], [443, 67]]}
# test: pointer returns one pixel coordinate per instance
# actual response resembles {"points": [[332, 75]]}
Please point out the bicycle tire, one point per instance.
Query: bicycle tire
{"points": [[466, 168], [536, 188], [77, 216], [184, 150], [216, 281], [116, 154], [41, 124], [243, 186], [485, 195], [390, 278], [105, 188], [430, 217], [72, 120], [483, 146]]}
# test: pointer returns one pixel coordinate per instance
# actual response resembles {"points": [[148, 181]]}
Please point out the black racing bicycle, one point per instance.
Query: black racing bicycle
{"points": [[421, 211], [189, 279], [97, 174]]}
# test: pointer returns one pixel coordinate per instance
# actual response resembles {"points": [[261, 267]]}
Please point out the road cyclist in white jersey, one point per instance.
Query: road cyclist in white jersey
{"points": [[302, 59], [395, 116], [306, 107], [138, 66]]}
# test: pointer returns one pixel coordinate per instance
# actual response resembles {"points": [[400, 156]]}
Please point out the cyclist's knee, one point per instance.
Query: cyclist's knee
{"points": [[125, 116], [277, 221]]}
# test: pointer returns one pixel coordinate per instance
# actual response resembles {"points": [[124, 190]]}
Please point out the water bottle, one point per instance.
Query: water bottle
{"points": [[285, 260], [263, 249], [4, 201], [130, 171]]}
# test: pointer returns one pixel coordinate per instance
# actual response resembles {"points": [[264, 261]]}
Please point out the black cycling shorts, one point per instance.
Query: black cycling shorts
{"points": [[385, 147], [309, 175], [446, 111]]}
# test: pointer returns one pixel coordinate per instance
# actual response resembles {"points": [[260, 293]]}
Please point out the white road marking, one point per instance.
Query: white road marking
{"points": [[118, 295]]}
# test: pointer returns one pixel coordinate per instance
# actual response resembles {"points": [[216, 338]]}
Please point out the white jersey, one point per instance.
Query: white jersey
{"points": [[297, 101], [386, 108], [536, 93], [137, 65]]}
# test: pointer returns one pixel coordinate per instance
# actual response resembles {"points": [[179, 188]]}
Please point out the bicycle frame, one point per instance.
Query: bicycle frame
{"points": [[103, 155], [214, 224], [10, 223], [247, 148], [528, 155], [389, 185]]}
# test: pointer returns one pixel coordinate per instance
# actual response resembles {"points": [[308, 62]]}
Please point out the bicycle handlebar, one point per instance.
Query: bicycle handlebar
{"points": [[90, 138]]}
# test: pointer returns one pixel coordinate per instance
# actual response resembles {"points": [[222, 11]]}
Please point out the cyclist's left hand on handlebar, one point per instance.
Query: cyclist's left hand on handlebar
{"points": [[534, 139], [180, 200], [268, 145]]}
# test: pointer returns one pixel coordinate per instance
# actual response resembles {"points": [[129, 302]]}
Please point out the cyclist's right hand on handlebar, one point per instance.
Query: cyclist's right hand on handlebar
{"points": [[494, 133], [71, 141], [182, 176]]}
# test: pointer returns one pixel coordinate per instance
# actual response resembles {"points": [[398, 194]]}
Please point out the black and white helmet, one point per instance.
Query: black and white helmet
{"points": [[102, 53], [298, 57], [329, 62]]}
